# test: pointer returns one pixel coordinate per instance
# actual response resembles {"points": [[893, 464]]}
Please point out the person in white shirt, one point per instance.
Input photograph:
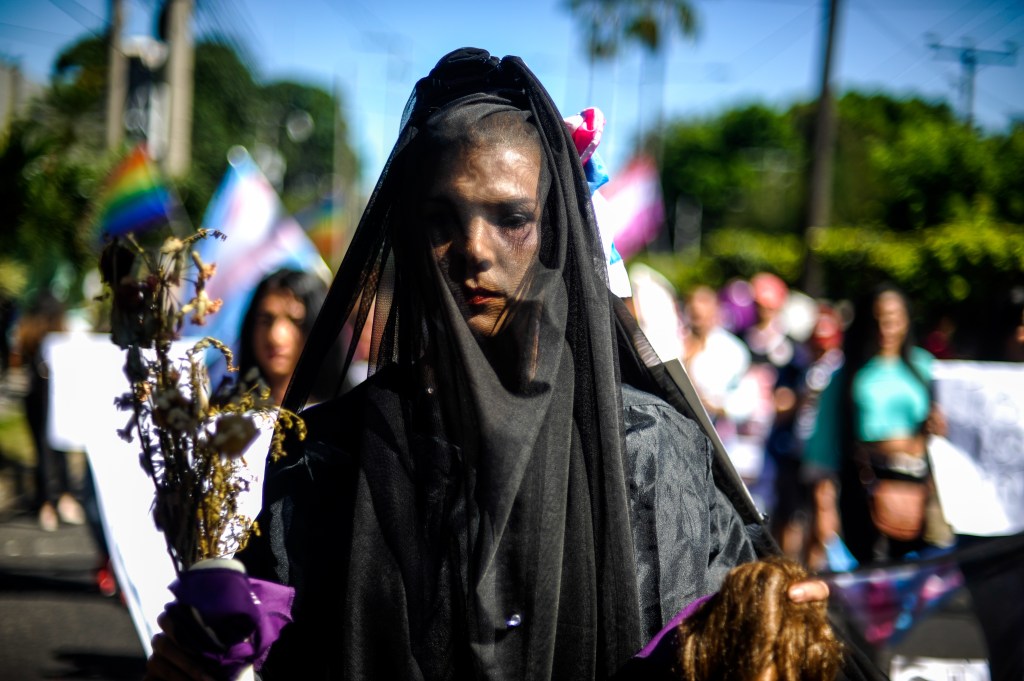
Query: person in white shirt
{"points": [[715, 359]]}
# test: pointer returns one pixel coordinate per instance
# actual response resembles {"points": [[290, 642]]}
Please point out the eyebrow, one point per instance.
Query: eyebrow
{"points": [[525, 204], [263, 315]]}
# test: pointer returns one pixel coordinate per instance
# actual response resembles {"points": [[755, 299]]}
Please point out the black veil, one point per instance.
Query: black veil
{"points": [[499, 462], [487, 477]]}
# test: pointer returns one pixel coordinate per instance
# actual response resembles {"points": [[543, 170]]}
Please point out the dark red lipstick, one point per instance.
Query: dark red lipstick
{"points": [[479, 296]]}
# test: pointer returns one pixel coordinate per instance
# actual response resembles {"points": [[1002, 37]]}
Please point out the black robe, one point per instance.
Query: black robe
{"points": [[325, 529]]}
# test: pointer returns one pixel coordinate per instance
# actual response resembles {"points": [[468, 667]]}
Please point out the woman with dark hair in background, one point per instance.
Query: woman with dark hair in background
{"points": [[275, 327], [872, 429]]}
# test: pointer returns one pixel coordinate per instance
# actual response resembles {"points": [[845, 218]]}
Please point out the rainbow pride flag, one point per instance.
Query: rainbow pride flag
{"points": [[261, 237], [135, 198]]}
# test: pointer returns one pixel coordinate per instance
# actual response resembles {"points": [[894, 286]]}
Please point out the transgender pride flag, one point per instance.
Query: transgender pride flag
{"points": [[632, 209], [260, 239]]}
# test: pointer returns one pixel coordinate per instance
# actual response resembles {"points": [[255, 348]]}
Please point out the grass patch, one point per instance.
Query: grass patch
{"points": [[15, 436]]}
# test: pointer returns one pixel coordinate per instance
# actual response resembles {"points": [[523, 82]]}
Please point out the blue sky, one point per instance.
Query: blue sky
{"points": [[748, 51]]}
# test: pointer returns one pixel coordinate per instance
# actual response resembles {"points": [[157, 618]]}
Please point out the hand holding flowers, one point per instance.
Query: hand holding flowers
{"points": [[192, 443]]}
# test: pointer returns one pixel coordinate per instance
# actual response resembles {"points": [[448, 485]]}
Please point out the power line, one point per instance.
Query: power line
{"points": [[911, 45], [31, 36], [970, 59], [225, 22], [769, 39], [989, 97], [960, 17], [908, 45], [987, 29], [794, 3], [79, 13], [368, 22]]}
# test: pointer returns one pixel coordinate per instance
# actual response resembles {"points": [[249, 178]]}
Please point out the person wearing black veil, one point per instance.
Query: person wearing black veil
{"points": [[503, 498]]}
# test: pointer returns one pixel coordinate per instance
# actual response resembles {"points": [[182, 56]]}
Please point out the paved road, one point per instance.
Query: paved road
{"points": [[54, 622]]}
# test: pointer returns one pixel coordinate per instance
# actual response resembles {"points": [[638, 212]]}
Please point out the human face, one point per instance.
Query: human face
{"points": [[482, 214], [703, 312], [893, 324], [278, 338]]}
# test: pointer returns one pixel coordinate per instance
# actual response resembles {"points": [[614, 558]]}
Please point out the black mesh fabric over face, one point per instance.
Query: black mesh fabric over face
{"points": [[499, 486], [464, 513]]}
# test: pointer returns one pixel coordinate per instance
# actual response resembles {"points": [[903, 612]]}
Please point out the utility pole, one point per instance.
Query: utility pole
{"points": [[970, 59], [11, 95], [820, 200], [180, 68], [117, 79]]}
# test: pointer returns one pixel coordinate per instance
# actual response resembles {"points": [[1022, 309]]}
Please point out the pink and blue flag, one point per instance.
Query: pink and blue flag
{"points": [[586, 129], [261, 238], [630, 206]]}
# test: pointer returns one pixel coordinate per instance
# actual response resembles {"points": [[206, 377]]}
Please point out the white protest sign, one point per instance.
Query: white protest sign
{"points": [[981, 483], [86, 374]]}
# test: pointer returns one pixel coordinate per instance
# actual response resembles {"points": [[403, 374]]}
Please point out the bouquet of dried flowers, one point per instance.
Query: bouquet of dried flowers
{"points": [[190, 442]]}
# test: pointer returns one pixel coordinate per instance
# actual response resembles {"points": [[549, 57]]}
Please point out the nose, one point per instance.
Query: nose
{"points": [[280, 330], [479, 244]]}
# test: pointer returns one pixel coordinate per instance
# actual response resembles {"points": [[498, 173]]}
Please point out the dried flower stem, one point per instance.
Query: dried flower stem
{"points": [[190, 445]]}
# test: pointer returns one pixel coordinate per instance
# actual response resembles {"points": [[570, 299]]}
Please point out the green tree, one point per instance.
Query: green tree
{"points": [[962, 269], [304, 123], [46, 190], [1007, 161], [609, 24], [920, 199], [53, 163], [931, 173], [227, 110], [867, 122], [233, 108], [900, 165], [742, 168], [73, 107]]}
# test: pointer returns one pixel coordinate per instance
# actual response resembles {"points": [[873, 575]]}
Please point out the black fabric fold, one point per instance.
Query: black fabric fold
{"points": [[499, 491], [469, 512]]}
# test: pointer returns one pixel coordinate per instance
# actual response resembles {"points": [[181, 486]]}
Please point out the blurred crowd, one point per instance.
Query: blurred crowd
{"points": [[760, 354], [763, 355], [810, 398]]}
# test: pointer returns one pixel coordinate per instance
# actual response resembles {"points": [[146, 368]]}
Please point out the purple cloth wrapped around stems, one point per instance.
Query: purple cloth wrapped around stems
{"points": [[659, 659], [229, 618], [655, 643]]}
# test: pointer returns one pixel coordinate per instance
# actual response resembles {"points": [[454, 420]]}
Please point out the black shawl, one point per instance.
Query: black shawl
{"points": [[488, 498], [464, 513]]}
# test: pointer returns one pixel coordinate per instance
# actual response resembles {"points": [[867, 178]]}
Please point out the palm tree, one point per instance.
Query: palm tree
{"points": [[608, 24]]}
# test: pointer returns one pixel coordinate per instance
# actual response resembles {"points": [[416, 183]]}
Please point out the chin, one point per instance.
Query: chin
{"points": [[279, 372], [482, 327]]}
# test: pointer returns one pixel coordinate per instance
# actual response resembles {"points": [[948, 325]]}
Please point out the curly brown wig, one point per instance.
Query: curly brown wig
{"points": [[751, 631]]}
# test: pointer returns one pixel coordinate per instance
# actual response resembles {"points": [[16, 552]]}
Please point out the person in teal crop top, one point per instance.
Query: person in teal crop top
{"points": [[873, 421], [891, 398], [892, 402]]}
